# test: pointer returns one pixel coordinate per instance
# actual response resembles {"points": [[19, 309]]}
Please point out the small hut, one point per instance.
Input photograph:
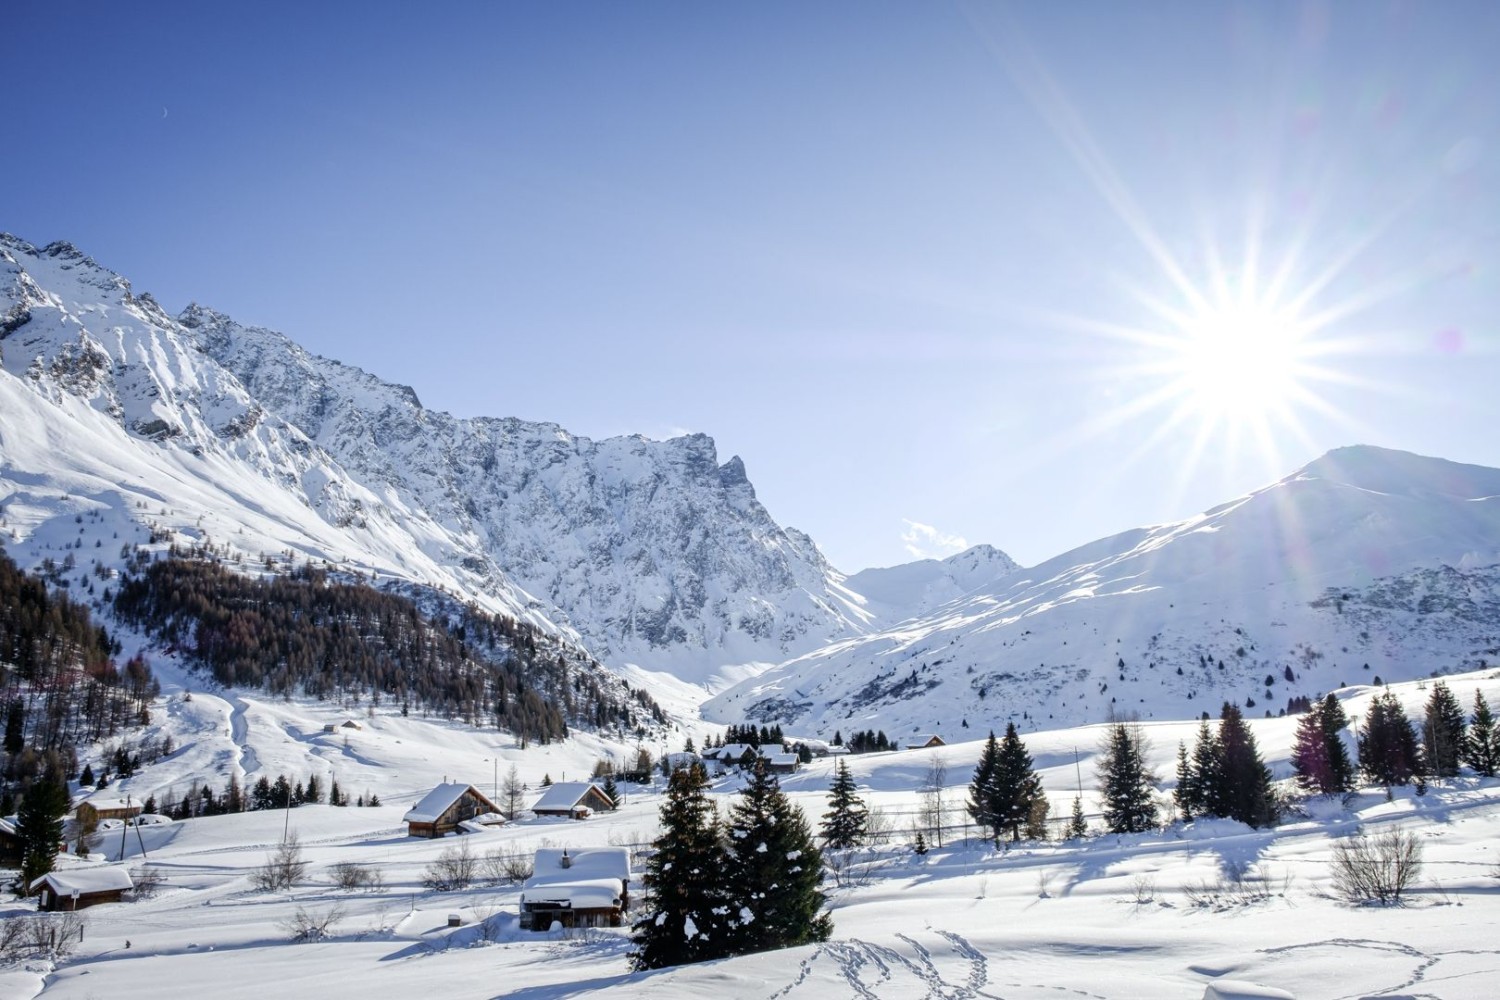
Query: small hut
{"points": [[573, 799], [79, 888], [577, 888], [91, 811], [445, 807]]}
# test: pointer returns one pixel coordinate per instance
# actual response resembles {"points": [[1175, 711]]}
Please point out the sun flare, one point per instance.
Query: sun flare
{"points": [[1239, 363]]}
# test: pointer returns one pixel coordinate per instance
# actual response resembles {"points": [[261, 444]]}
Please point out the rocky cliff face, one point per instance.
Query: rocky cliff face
{"points": [[652, 552]]}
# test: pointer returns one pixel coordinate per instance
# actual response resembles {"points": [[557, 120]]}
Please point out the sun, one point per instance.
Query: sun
{"points": [[1238, 363]]}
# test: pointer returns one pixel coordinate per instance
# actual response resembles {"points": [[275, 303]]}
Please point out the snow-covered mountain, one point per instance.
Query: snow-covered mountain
{"points": [[895, 593], [650, 552], [1365, 563]]}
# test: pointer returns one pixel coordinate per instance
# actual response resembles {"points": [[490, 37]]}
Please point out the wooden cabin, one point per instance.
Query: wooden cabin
{"points": [[347, 726], [442, 810], [91, 811], [573, 799], [923, 742], [79, 888], [587, 887], [11, 848]]}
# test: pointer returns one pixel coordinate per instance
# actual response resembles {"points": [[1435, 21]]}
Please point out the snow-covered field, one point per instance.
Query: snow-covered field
{"points": [[1154, 915]]}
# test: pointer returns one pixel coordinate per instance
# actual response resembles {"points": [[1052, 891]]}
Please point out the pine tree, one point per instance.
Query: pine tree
{"points": [[1388, 752], [86, 779], [1340, 767], [678, 923], [335, 797], [1016, 786], [1310, 755], [844, 822], [981, 804], [1186, 793], [771, 872], [611, 789], [1078, 827], [1442, 732], [39, 827], [1125, 781], [1481, 749], [1208, 784], [1246, 779]]}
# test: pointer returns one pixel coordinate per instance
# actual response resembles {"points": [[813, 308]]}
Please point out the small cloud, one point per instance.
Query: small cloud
{"points": [[924, 541]]}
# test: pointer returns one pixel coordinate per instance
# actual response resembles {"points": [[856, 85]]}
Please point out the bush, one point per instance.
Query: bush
{"points": [[352, 875], [47, 936], [1378, 868], [312, 925], [455, 868], [282, 869], [147, 880], [507, 867]]}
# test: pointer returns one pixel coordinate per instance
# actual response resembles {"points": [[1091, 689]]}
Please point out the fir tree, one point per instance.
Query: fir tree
{"points": [[1246, 779], [678, 923], [1078, 827], [1125, 781], [1481, 749], [981, 804], [1388, 753], [1442, 732], [1016, 786], [844, 822], [1310, 755], [335, 796], [1207, 784], [86, 779], [611, 789], [1340, 767], [919, 845], [39, 827], [1186, 793], [771, 872]]}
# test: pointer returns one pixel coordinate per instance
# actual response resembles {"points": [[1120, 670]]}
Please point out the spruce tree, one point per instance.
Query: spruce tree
{"points": [[678, 922], [39, 827], [611, 789], [1186, 793], [1246, 781], [1388, 751], [1016, 786], [1334, 722], [981, 804], [844, 822], [1208, 783], [771, 872], [1442, 732], [1125, 781], [1310, 755], [1078, 827], [1481, 749]]}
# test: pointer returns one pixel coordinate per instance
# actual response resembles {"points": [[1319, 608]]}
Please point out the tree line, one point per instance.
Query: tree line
{"points": [[303, 632]]}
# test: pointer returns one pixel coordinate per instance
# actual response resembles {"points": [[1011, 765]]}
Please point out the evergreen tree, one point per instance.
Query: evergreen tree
{"points": [[1078, 827], [678, 923], [611, 789], [1186, 793], [1310, 755], [1016, 786], [771, 872], [1388, 753], [981, 804], [1246, 779], [313, 792], [844, 822], [1442, 732], [39, 827], [86, 779], [919, 845], [1481, 749], [1207, 781], [1125, 781], [1340, 767], [335, 796]]}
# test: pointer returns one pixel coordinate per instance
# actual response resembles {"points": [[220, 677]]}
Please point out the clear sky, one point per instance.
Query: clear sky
{"points": [[940, 273]]}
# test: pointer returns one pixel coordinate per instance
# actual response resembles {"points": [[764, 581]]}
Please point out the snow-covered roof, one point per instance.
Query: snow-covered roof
{"points": [[783, 759], [438, 801], [733, 751], [584, 864], [103, 803], [483, 823], [593, 894], [8, 826], [920, 740], [564, 795], [84, 880]]}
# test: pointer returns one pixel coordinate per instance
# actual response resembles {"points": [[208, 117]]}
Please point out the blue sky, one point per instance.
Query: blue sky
{"points": [[936, 272]]}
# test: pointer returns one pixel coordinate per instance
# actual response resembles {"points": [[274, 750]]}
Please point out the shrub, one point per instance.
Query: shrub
{"points": [[312, 925], [352, 875], [1378, 868], [455, 868], [282, 869]]}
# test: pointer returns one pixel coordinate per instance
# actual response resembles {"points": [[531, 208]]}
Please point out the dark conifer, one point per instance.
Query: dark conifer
{"points": [[844, 823], [1125, 781], [1481, 749], [1246, 781], [981, 804], [771, 872], [1310, 755], [1016, 787], [1334, 722], [39, 827], [1388, 750], [1442, 732], [678, 922]]}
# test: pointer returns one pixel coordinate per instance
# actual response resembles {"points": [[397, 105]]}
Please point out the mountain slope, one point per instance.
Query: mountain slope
{"points": [[648, 552], [1364, 562], [895, 593]]}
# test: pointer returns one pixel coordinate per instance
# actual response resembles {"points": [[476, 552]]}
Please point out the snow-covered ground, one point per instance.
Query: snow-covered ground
{"points": [[1154, 915]]}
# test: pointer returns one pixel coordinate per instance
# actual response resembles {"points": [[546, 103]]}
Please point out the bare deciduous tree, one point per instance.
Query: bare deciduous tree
{"points": [[1376, 868], [455, 868], [312, 925], [353, 875], [282, 869]]}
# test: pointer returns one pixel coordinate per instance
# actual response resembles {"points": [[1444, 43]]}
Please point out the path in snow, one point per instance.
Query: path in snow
{"points": [[239, 731]]}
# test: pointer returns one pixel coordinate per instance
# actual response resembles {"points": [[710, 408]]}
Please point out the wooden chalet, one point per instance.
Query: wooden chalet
{"points": [[91, 811], [573, 799], [347, 726], [577, 888], [923, 742], [782, 763], [79, 888], [443, 809]]}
